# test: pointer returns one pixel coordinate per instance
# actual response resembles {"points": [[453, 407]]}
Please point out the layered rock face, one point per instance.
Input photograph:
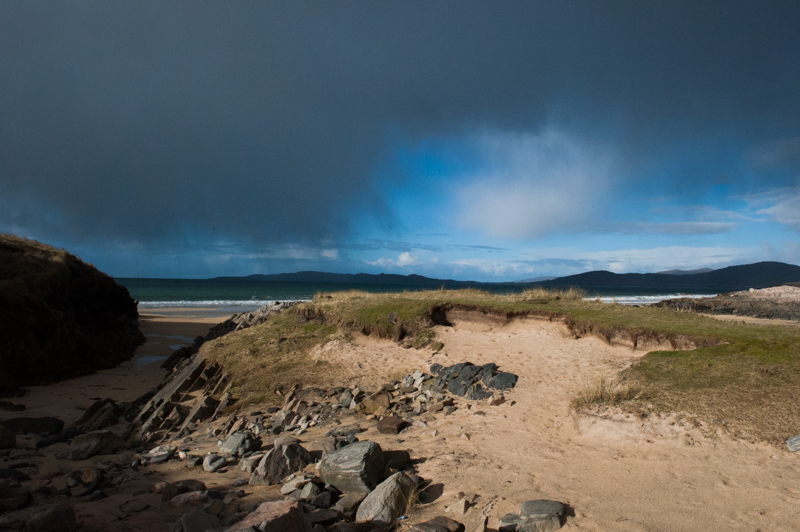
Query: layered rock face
{"points": [[59, 317]]}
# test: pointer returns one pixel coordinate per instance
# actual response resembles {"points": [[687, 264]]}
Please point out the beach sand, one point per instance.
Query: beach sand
{"points": [[616, 472]]}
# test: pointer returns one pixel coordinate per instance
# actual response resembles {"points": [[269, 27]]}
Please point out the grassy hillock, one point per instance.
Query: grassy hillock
{"points": [[59, 317], [743, 378]]}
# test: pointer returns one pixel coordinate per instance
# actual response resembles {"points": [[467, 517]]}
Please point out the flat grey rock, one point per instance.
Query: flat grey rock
{"points": [[793, 443]]}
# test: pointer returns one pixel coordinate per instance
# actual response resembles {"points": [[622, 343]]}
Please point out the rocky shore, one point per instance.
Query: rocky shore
{"points": [[776, 303]]}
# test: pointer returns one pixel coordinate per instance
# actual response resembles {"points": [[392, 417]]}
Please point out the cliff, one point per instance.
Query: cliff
{"points": [[59, 317]]}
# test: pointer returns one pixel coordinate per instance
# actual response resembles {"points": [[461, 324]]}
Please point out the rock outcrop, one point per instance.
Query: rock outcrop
{"points": [[59, 317]]}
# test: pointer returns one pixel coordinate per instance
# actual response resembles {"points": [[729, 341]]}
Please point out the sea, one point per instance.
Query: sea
{"points": [[241, 295]]}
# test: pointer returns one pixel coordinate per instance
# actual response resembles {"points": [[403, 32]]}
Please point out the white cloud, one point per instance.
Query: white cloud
{"points": [[784, 208], [404, 259], [535, 184]]}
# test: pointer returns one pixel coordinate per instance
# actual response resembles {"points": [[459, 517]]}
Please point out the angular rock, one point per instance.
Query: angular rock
{"points": [[57, 517], [279, 516], [391, 425], [309, 491], [459, 507], [240, 443], [439, 524], [322, 500], [387, 501], [249, 463], [348, 505], [191, 497], [356, 468], [280, 462], [323, 516], [196, 520], [534, 516], [793, 443], [319, 448], [92, 443]]}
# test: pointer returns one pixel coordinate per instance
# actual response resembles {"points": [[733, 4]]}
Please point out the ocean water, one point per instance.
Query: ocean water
{"points": [[241, 295]]}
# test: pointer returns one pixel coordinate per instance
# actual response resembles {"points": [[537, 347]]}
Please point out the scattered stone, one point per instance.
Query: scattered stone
{"points": [[240, 443], [248, 464], [292, 485], [12, 496], [239, 482], [196, 520], [387, 501], [534, 516], [459, 507], [348, 505], [287, 457], [214, 462], [439, 524], [191, 497], [391, 425], [322, 500], [309, 491], [279, 516], [793, 443], [97, 495], [92, 443], [356, 468], [57, 517]]}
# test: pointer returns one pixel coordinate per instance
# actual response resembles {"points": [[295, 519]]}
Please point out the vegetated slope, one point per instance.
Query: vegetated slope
{"points": [[733, 278], [358, 278], [738, 377], [59, 317]]}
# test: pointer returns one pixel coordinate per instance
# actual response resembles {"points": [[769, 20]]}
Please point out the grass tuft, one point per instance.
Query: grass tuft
{"points": [[605, 391]]}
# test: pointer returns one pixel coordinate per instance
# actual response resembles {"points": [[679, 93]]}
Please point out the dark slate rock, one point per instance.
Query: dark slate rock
{"points": [[541, 507], [387, 501], [280, 462], [438, 524], [357, 468], [501, 381], [435, 368]]}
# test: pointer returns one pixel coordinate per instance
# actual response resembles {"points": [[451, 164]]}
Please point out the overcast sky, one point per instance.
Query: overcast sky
{"points": [[467, 140]]}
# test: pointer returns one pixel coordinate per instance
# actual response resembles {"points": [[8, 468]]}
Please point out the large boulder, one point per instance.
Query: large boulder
{"points": [[57, 517], [59, 317], [279, 516], [387, 501], [357, 468], [92, 443], [287, 457]]}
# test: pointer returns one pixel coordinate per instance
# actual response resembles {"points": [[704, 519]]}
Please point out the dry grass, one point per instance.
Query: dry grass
{"points": [[606, 391]]}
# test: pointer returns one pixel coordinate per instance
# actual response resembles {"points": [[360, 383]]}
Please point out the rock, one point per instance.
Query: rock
{"points": [[534, 516], [41, 426], [213, 462], [793, 443], [323, 516], [279, 516], [387, 501], [391, 425], [12, 496], [319, 448], [92, 443], [240, 443], [356, 468], [439, 524], [459, 507], [170, 491], [61, 437], [309, 491], [191, 497], [8, 440], [57, 517], [294, 484], [481, 525], [97, 495], [280, 462], [323, 500], [249, 463], [196, 520], [348, 505]]}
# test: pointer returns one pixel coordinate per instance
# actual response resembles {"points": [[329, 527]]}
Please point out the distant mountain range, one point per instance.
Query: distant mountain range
{"points": [[733, 278]]}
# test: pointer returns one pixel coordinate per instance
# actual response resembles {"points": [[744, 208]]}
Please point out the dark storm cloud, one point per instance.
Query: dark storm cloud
{"points": [[268, 121]]}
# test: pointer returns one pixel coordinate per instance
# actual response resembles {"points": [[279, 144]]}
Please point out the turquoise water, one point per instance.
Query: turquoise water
{"points": [[235, 294]]}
